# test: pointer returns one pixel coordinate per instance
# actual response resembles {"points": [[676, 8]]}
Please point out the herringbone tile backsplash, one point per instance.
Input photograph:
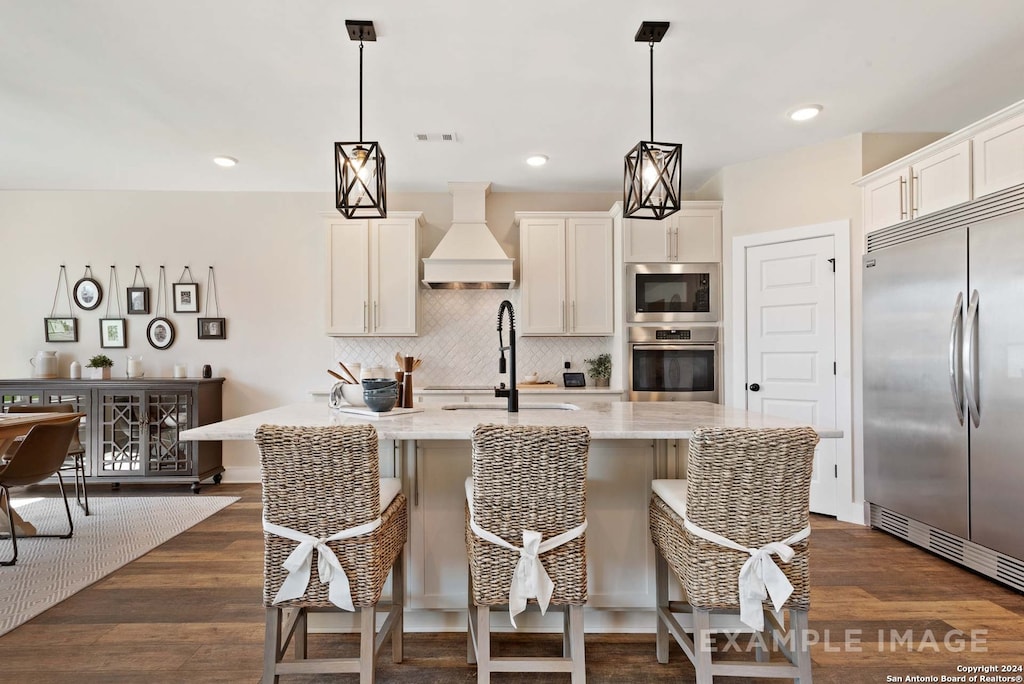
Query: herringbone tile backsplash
{"points": [[458, 342]]}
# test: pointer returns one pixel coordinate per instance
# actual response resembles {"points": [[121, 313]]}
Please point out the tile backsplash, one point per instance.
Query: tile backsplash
{"points": [[458, 343]]}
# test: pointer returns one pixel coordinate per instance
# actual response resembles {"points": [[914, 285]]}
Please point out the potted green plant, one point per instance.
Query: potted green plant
{"points": [[599, 369], [100, 365]]}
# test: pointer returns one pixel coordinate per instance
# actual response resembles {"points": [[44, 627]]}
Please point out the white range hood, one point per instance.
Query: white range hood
{"points": [[468, 256]]}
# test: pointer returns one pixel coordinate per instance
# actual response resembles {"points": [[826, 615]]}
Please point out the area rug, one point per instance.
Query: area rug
{"points": [[119, 530]]}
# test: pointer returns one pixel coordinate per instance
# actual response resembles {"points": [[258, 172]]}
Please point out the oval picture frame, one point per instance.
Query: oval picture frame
{"points": [[160, 333], [87, 293]]}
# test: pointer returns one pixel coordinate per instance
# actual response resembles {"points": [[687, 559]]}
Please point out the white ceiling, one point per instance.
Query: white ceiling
{"points": [[141, 94]]}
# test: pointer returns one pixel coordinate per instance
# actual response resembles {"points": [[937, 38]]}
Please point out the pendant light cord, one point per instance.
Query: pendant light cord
{"points": [[652, 90], [361, 90]]}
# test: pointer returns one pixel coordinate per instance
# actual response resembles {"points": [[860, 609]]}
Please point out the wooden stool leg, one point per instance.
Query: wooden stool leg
{"points": [[661, 593], [301, 634], [398, 603], [579, 660], [472, 628], [272, 646], [566, 631], [483, 644], [367, 634], [802, 653], [702, 645]]}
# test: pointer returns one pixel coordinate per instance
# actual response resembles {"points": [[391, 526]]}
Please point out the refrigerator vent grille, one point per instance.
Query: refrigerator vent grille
{"points": [[985, 561], [990, 206], [946, 545]]}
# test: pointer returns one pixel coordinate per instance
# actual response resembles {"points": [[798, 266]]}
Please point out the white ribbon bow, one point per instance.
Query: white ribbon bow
{"points": [[530, 579], [299, 562], [759, 577]]}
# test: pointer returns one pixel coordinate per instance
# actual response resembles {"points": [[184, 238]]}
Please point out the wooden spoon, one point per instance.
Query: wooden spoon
{"points": [[351, 378], [336, 376]]}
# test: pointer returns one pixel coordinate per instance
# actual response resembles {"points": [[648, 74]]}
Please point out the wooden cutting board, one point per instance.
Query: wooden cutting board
{"points": [[536, 385]]}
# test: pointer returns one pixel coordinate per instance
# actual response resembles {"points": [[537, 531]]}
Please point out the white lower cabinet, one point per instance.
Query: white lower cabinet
{"points": [[619, 552]]}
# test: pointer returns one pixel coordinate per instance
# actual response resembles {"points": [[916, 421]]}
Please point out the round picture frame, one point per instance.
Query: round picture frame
{"points": [[160, 333], [87, 293]]}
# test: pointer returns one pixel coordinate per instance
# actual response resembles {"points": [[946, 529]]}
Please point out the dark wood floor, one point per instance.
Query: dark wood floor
{"points": [[190, 611]]}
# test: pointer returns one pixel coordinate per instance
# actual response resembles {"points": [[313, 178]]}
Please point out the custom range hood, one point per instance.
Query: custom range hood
{"points": [[468, 256]]}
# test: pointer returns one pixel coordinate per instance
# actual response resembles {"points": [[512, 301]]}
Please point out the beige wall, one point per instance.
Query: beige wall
{"points": [[268, 252], [881, 148]]}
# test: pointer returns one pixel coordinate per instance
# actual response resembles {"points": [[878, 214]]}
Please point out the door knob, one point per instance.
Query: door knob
{"points": [[754, 387]]}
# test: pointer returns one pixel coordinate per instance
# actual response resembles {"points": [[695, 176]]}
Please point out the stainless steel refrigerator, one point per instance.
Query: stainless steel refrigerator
{"points": [[944, 383]]}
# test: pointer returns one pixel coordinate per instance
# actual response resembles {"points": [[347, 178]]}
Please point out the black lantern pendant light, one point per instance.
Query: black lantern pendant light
{"points": [[652, 184], [359, 178]]}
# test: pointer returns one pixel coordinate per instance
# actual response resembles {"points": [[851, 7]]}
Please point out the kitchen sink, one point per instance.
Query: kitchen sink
{"points": [[503, 406]]}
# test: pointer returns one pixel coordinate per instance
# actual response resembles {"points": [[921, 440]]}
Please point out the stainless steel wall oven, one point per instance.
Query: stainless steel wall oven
{"points": [[674, 364], [673, 293]]}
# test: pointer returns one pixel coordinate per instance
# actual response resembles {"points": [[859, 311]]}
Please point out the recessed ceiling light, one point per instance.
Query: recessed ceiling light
{"points": [[805, 113], [225, 161], [537, 160]]}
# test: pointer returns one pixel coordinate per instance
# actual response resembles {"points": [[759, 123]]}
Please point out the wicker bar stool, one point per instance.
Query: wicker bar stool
{"points": [[744, 501], [322, 498], [528, 491]]}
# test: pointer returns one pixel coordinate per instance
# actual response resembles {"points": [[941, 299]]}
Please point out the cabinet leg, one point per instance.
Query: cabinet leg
{"points": [[217, 478], [196, 487], [114, 486]]}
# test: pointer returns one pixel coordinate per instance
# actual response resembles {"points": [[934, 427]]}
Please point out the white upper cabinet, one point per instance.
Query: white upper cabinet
{"points": [[999, 157], [567, 274], [980, 159], [373, 275], [692, 234], [941, 180]]}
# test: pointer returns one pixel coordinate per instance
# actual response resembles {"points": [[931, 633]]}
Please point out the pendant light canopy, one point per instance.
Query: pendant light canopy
{"points": [[359, 177], [652, 186]]}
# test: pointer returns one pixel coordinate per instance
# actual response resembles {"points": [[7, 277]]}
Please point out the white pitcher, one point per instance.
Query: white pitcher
{"points": [[44, 364]]}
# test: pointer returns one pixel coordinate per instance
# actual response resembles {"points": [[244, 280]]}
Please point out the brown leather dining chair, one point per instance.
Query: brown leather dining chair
{"points": [[76, 452], [41, 455]]}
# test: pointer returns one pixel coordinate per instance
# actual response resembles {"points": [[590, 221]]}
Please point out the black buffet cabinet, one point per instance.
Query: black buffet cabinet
{"points": [[131, 430]]}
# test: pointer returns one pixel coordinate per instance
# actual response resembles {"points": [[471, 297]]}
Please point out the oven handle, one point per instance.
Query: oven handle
{"points": [[698, 346]]}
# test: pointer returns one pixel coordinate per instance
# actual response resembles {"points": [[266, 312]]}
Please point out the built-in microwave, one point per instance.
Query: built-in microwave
{"points": [[673, 293]]}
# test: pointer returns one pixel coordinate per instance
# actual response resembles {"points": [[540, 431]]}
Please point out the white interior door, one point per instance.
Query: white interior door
{"points": [[791, 345]]}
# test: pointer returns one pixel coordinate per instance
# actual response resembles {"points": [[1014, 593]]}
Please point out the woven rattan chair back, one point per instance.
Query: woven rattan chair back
{"points": [[320, 480], [529, 478], [751, 486]]}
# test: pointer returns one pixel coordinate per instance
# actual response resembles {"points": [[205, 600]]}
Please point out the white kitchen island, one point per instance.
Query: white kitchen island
{"points": [[631, 444]]}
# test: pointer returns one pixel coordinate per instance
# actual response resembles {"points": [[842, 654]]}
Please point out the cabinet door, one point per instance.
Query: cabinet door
{"points": [[542, 270], [589, 276], [646, 241], [348, 279], [168, 412], [698, 235], [942, 180], [999, 157], [394, 264], [119, 433], [885, 201]]}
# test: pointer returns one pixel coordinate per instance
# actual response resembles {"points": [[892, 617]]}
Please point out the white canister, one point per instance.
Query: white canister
{"points": [[135, 367], [180, 370], [44, 364], [76, 370]]}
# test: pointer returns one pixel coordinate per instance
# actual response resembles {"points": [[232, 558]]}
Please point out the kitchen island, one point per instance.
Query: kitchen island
{"points": [[632, 443]]}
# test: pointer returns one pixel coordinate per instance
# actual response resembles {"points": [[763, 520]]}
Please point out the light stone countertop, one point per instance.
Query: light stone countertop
{"points": [[605, 420]]}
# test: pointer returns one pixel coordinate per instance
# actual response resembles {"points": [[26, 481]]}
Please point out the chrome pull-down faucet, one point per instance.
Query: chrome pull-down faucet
{"points": [[511, 392]]}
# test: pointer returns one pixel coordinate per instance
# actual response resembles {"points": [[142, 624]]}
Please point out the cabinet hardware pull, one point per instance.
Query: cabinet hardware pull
{"points": [[574, 315], [915, 190], [903, 211], [364, 315], [668, 243], [376, 315], [563, 314]]}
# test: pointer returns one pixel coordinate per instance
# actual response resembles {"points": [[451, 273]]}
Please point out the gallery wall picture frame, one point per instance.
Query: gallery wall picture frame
{"points": [[186, 297], [87, 291], [138, 297], [160, 333], [138, 300], [186, 294], [61, 329], [113, 333], [213, 329]]}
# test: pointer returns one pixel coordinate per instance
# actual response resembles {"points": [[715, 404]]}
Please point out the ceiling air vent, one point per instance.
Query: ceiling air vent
{"points": [[436, 137]]}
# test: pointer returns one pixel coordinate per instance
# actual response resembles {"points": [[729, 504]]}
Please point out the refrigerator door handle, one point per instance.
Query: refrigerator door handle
{"points": [[956, 379], [971, 361]]}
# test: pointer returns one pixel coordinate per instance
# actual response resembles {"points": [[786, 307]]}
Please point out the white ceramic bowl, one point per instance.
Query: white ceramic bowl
{"points": [[353, 394]]}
